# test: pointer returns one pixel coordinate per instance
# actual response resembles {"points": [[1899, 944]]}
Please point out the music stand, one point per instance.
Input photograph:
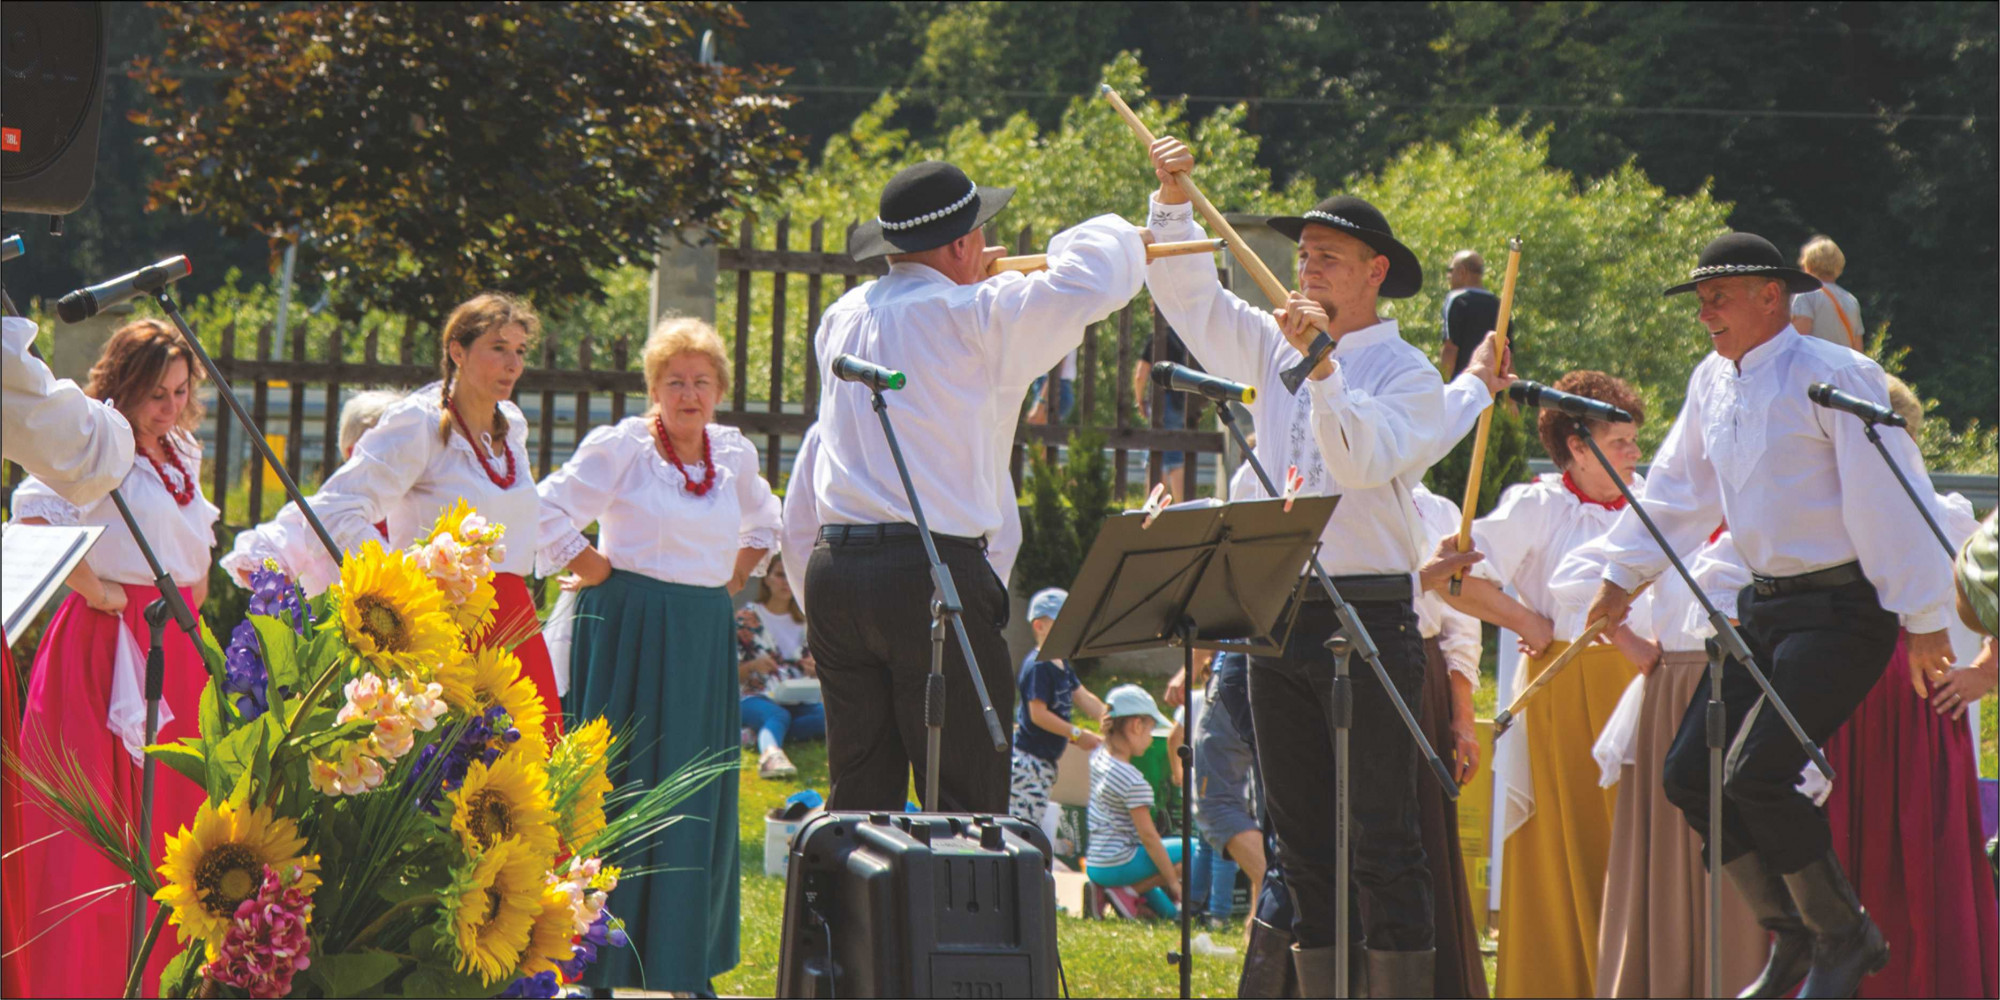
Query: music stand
{"points": [[1222, 576]]}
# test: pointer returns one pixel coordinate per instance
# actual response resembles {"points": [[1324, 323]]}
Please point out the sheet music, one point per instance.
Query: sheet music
{"points": [[35, 559]]}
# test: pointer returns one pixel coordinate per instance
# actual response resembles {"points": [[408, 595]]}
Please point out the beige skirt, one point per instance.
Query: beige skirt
{"points": [[1653, 940]]}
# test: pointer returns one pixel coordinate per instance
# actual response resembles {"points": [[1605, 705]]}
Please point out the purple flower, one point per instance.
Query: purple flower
{"points": [[245, 677], [271, 593], [605, 932], [541, 984], [475, 744]]}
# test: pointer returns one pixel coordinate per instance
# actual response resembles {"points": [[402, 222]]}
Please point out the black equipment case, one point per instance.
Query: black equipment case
{"points": [[918, 905]]}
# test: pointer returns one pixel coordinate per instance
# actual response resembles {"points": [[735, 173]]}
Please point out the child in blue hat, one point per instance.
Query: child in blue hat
{"points": [[1048, 690]]}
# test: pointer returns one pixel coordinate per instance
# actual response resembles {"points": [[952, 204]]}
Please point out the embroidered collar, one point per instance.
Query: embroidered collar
{"points": [[1570, 485], [1368, 336], [1761, 355]]}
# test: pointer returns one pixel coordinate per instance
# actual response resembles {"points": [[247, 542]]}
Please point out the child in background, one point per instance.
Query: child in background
{"points": [[1048, 689], [1125, 847]]}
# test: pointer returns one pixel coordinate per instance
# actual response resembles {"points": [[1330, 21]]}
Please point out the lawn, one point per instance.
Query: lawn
{"points": [[1101, 957]]}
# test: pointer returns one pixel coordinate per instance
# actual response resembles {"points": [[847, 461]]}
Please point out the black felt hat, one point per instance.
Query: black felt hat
{"points": [[926, 206], [1737, 254], [1362, 221]]}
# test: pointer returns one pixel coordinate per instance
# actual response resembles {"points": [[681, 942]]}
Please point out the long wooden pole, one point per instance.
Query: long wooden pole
{"points": [[1154, 251], [1470, 508], [1266, 281], [1590, 633]]}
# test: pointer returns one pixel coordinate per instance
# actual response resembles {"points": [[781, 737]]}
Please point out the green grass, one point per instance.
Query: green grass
{"points": [[1100, 957]]}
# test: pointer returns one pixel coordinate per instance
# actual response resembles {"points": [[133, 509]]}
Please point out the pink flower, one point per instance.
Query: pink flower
{"points": [[267, 942]]}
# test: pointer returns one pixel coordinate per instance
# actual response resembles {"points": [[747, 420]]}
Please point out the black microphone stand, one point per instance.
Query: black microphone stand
{"points": [[1351, 638], [156, 614], [1730, 644], [1868, 428], [250, 428], [945, 606]]}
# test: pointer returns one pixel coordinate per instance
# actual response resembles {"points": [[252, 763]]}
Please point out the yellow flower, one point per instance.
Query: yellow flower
{"points": [[507, 799], [392, 614], [219, 862], [578, 781], [551, 940], [492, 907], [458, 555], [484, 678]]}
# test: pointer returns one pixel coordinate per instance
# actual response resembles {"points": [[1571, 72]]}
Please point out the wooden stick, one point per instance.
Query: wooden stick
{"points": [[1471, 505], [1266, 281], [1154, 251], [1590, 633]]}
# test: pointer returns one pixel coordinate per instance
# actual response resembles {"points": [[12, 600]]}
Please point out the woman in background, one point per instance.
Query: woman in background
{"points": [[771, 646]]}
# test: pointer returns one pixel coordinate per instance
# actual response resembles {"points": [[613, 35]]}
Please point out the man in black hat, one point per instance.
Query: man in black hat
{"points": [[1365, 425], [970, 345], [1837, 556]]}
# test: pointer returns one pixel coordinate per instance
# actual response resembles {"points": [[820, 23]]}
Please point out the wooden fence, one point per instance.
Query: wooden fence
{"points": [[605, 368]]}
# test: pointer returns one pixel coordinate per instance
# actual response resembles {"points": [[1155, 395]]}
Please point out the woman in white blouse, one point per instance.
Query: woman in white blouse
{"points": [[683, 515], [459, 438], [79, 709]]}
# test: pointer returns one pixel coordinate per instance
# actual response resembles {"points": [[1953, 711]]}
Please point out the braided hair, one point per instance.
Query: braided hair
{"points": [[473, 319]]}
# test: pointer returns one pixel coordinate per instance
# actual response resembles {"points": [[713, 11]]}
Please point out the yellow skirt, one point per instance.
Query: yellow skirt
{"points": [[1552, 877]]}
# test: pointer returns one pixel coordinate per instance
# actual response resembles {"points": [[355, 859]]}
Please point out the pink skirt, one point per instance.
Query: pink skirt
{"points": [[1905, 818], [79, 945]]}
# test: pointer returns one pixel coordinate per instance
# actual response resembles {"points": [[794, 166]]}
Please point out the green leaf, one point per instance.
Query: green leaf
{"points": [[185, 757], [354, 974], [280, 646], [232, 759], [182, 967], [443, 981], [211, 652], [213, 720]]}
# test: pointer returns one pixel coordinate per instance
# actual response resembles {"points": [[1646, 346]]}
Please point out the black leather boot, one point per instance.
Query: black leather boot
{"points": [[1316, 970], [1267, 964], [1791, 943], [1402, 973], [1847, 946]]}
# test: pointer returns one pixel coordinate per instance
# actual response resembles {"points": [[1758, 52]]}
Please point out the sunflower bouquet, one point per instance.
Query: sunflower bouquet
{"points": [[385, 815]]}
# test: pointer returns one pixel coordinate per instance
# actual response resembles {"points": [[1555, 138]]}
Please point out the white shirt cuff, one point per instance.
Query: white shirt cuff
{"points": [[555, 556], [1330, 393], [1625, 577], [1161, 218], [1934, 620]]}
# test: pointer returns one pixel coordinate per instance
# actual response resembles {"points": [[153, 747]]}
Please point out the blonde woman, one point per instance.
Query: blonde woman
{"points": [[682, 515], [1831, 313], [459, 438]]}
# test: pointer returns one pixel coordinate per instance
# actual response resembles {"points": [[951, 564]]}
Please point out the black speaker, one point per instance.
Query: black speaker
{"points": [[52, 56], [918, 905]]}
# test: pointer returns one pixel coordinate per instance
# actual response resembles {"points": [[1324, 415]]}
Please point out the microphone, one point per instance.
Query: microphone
{"points": [[849, 368], [84, 303], [1833, 399], [1181, 378], [1539, 395]]}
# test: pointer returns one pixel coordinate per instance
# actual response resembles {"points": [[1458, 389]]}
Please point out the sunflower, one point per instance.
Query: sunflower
{"points": [[484, 678], [392, 614], [578, 781], [554, 935], [491, 907], [219, 862], [507, 799]]}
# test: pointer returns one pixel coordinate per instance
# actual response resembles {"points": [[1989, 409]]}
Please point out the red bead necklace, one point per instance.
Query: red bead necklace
{"points": [[707, 459], [504, 482], [182, 494]]}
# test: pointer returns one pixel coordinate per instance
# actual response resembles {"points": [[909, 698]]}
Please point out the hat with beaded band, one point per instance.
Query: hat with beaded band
{"points": [[925, 206], [1744, 255], [1359, 219]]}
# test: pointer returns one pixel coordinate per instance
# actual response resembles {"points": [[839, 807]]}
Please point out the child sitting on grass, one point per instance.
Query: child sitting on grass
{"points": [[1125, 847], [1048, 688]]}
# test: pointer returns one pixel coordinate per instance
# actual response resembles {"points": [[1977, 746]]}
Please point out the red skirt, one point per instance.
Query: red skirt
{"points": [[1905, 818], [514, 615], [13, 894], [79, 945]]}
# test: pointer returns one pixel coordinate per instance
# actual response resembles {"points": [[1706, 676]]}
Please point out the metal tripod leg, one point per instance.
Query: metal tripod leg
{"points": [[1343, 722]]}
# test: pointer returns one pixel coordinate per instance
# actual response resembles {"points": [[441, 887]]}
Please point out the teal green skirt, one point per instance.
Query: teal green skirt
{"points": [[659, 661]]}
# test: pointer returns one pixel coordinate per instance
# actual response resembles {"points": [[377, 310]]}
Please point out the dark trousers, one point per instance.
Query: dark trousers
{"points": [[1291, 701], [1822, 651], [868, 621]]}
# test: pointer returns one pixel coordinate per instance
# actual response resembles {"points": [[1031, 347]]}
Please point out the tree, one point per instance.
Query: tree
{"points": [[422, 152]]}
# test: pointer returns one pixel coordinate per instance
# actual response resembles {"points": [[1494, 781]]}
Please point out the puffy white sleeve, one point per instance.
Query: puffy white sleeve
{"points": [[78, 447], [1681, 494], [1028, 322], [1508, 534], [1719, 571], [801, 515], [763, 515], [1372, 439], [387, 462], [1465, 398], [576, 495], [1229, 336], [1898, 553], [1460, 637], [35, 498], [1574, 584]]}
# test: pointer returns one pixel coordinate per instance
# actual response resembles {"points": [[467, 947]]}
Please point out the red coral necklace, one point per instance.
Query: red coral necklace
{"points": [[504, 482], [707, 459], [183, 494]]}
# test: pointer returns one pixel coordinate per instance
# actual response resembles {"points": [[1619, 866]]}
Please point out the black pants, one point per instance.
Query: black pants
{"points": [[868, 620], [1290, 699], [1822, 651]]}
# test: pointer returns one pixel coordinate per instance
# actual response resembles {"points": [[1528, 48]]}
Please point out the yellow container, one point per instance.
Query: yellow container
{"points": [[271, 480], [1475, 826]]}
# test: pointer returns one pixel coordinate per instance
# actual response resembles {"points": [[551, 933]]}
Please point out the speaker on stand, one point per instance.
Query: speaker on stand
{"points": [[52, 64]]}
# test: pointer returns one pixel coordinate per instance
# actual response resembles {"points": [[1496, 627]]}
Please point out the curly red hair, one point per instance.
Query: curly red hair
{"points": [[1555, 427]]}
